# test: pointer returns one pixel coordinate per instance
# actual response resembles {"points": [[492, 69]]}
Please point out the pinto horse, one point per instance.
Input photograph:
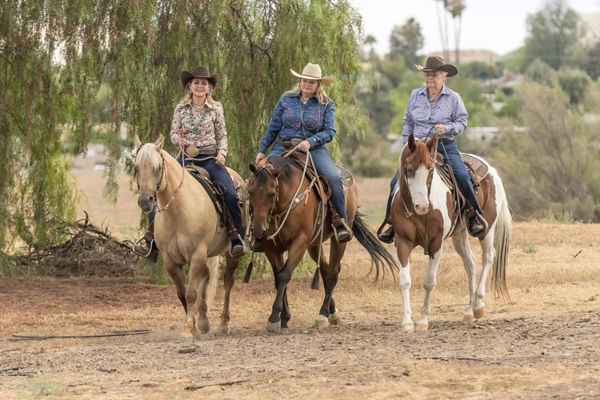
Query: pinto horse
{"points": [[422, 216], [187, 231], [278, 188]]}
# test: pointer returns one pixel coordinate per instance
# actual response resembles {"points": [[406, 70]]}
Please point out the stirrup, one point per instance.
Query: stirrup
{"points": [[344, 224], [243, 244], [473, 215], [139, 250]]}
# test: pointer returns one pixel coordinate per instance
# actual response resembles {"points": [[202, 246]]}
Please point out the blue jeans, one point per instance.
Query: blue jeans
{"points": [[325, 166], [451, 156], [218, 173]]}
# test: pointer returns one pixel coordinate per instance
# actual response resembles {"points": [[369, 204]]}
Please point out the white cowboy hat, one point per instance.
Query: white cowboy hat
{"points": [[313, 71]]}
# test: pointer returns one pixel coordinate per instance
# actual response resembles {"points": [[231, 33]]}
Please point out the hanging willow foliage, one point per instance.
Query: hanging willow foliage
{"points": [[54, 54]]}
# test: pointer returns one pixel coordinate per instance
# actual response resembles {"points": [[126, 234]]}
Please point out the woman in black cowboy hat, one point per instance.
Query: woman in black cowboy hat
{"points": [[435, 106], [199, 128]]}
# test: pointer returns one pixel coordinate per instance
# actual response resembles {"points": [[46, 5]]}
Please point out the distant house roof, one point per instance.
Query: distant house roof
{"points": [[486, 56]]}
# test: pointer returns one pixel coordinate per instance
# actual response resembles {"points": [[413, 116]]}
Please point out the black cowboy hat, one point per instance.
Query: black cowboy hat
{"points": [[199, 72], [437, 64]]}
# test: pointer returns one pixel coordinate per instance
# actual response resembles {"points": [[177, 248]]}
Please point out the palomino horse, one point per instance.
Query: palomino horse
{"points": [[422, 215], [186, 232], [284, 213]]}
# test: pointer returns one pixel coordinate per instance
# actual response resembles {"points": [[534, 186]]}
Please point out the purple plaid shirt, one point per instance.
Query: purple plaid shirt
{"points": [[421, 116]]}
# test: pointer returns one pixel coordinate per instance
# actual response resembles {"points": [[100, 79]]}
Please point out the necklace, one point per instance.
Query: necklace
{"points": [[197, 119]]}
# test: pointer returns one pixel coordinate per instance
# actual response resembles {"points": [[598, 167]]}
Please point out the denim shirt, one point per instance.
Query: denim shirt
{"points": [[420, 116], [286, 122]]}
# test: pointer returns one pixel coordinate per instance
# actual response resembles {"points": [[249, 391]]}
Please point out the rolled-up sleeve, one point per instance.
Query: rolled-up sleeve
{"points": [[459, 118], [220, 131], [326, 134], [272, 129], [176, 126]]}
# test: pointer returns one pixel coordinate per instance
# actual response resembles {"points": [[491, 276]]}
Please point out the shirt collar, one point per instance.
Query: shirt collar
{"points": [[297, 94], [206, 104], [443, 91]]}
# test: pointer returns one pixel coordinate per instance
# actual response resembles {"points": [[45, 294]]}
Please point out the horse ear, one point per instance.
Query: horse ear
{"points": [[159, 142], [252, 168], [411, 143], [432, 144], [137, 142]]}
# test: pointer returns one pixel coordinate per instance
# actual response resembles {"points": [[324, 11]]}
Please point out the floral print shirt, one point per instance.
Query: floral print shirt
{"points": [[203, 130]]}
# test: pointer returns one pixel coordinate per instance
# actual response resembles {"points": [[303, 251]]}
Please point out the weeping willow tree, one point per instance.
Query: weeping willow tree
{"points": [[54, 54]]}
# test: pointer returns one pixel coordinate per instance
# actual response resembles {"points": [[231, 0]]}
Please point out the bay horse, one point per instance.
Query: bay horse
{"points": [[422, 216], [276, 188], [187, 231]]}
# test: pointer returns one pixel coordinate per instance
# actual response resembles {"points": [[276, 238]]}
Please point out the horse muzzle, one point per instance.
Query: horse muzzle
{"points": [[258, 231], [146, 203], [421, 209]]}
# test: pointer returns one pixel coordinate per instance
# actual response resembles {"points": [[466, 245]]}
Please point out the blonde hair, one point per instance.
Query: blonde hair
{"points": [[209, 98], [321, 95]]}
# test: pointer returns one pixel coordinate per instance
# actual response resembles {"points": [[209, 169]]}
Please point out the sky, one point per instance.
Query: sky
{"points": [[487, 24]]}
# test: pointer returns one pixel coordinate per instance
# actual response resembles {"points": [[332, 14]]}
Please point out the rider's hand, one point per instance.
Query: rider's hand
{"points": [[259, 157], [220, 159], [441, 128], [303, 145]]}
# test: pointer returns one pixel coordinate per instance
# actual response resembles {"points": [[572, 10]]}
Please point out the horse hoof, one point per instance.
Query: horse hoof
{"points": [[408, 327], [468, 318], [204, 327], [273, 327], [334, 319], [224, 330], [479, 313], [284, 331], [421, 327], [186, 337], [322, 322]]}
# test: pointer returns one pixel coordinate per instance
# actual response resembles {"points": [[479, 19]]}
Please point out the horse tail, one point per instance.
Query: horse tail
{"points": [[213, 280], [501, 245], [380, 257]]}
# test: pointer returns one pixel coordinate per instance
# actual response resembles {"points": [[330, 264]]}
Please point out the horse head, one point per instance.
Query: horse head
{"points": [[263, 190], [149, 171], [416, 171]]}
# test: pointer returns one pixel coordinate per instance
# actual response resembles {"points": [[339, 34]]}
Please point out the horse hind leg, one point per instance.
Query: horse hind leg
{"points": [[328, 314], [462, 246], [488, 252], [207, 288], [231, 265], [429, 283]]}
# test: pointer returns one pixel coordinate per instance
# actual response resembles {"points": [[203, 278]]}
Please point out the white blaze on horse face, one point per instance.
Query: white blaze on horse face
{"points": [[418, 190]]}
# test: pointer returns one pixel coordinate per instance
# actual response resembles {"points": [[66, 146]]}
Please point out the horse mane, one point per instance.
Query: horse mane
{"points": [[148, 154], [281, 163]]}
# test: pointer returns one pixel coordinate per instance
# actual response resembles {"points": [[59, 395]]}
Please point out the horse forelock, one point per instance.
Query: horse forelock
{"points": [[421, 155], [278, 163], [148, 155]]}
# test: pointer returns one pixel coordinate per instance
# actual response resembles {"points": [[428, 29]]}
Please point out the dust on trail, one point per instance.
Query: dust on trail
{"points": [[516, 351]]}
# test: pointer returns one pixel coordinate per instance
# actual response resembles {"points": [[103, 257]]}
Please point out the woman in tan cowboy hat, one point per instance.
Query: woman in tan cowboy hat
{"points": [[199, 127], [435, 106], [305, 114]]}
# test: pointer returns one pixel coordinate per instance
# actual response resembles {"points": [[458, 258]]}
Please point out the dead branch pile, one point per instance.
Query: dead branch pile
{"points": [[85, 251]]}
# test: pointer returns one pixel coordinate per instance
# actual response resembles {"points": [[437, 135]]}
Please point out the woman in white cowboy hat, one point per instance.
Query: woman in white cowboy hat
{"points": [[306, 115], [199, 127]]}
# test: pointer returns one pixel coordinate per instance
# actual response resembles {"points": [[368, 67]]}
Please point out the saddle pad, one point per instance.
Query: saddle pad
{"points": [[197, 171]]}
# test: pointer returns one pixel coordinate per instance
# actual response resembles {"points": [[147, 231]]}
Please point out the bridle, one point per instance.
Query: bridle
{"points": [[163, 174]]}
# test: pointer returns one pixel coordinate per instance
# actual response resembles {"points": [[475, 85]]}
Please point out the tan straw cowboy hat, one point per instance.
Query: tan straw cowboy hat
{"points": [[313, 71], [199, 72], [437, 64]]}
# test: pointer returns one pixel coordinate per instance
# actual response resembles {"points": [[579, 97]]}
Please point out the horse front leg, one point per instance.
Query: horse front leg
{"points": [[198, 273], [429, 284], [231, 265], [176, 273], [282, 278], [462, 246], [403, 248]]}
